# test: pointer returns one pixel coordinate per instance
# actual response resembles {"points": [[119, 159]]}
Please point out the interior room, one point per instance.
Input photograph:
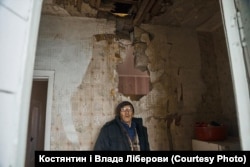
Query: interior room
{"points": [[66, 64], [168, 57]]}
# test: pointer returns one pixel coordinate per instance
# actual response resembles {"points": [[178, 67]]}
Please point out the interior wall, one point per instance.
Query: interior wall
{"points": [[84, 54], [174, 65], [228, 108], [65, 46], [210, 108], [218, 103]]}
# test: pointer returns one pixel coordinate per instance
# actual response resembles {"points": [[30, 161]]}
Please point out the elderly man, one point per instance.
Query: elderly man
{"points": [[124, 133]]}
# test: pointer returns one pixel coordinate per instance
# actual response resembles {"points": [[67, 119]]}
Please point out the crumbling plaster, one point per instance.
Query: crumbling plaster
{"points": [[174, 58], [84, 55]]}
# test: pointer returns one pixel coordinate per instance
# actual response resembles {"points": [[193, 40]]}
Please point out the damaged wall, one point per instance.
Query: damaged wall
{"points": [[65, 45], [174, 65], [84, 54]]}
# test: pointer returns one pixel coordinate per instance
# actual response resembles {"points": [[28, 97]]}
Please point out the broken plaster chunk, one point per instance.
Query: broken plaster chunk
{"points": [[137, 32], [141, 62], [155, 75], [145, 38], [141, 59]]}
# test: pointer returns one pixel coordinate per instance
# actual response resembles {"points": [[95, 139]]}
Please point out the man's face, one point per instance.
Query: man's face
{"points": [[126, 114]]}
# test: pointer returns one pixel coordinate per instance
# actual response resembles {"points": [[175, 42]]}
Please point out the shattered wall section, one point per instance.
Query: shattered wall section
{"points": [[133, 81], [174, 67]]}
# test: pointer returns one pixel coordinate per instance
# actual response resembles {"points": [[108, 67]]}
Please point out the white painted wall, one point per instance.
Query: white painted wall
{"points": [[19, 22]]}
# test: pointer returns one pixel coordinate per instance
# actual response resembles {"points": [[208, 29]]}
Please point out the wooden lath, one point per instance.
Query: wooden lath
{"points": [[156, 8], [126, 1], [97, 4], [144, 14], [140, 12]]}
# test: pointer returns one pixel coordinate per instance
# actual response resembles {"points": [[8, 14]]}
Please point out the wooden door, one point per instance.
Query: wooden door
{"points": [[36, 126]]}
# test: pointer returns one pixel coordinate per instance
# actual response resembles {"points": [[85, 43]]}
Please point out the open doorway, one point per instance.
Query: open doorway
{"points": [[36, 125], [38, 135]]}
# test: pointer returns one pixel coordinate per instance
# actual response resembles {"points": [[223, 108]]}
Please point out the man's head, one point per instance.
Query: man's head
{"points": [[125, 111]]}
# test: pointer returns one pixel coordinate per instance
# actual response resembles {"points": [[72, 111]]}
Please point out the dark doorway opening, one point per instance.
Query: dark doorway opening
{"points": [[36, 125]]}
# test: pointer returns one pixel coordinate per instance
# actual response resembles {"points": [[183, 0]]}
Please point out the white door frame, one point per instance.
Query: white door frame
{"points": [[48, 75], [238, 70], [18, 46]]}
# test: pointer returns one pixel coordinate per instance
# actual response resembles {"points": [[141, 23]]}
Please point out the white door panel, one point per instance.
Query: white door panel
{"points": [[238, 67], [19, 22], [21, 8], [11, 55]]}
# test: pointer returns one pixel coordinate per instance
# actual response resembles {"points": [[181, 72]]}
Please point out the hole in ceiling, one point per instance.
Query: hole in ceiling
{"points": [[121, 9]]}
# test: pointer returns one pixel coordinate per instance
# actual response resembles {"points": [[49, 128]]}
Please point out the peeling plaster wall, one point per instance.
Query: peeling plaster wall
{"points": [[174, 65], [65, 45], [84, 54], [85, 90]]}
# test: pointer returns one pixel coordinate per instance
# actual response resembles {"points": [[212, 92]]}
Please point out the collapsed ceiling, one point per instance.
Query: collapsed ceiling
{"points": [[131, 13]]}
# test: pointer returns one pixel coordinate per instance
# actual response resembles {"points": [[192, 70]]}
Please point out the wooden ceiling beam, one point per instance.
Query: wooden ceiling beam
{"points": [[139, 14], [92, 3], [98, 3], [126, 1], [156, 8], [95, 3], [146, 12], [79, 5]]}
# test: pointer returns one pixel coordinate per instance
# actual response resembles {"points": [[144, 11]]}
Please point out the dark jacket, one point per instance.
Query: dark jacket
{"points": [[113, 138]]}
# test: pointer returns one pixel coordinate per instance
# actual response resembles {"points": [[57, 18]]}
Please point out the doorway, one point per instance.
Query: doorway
{"points": [[36, 125]]}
